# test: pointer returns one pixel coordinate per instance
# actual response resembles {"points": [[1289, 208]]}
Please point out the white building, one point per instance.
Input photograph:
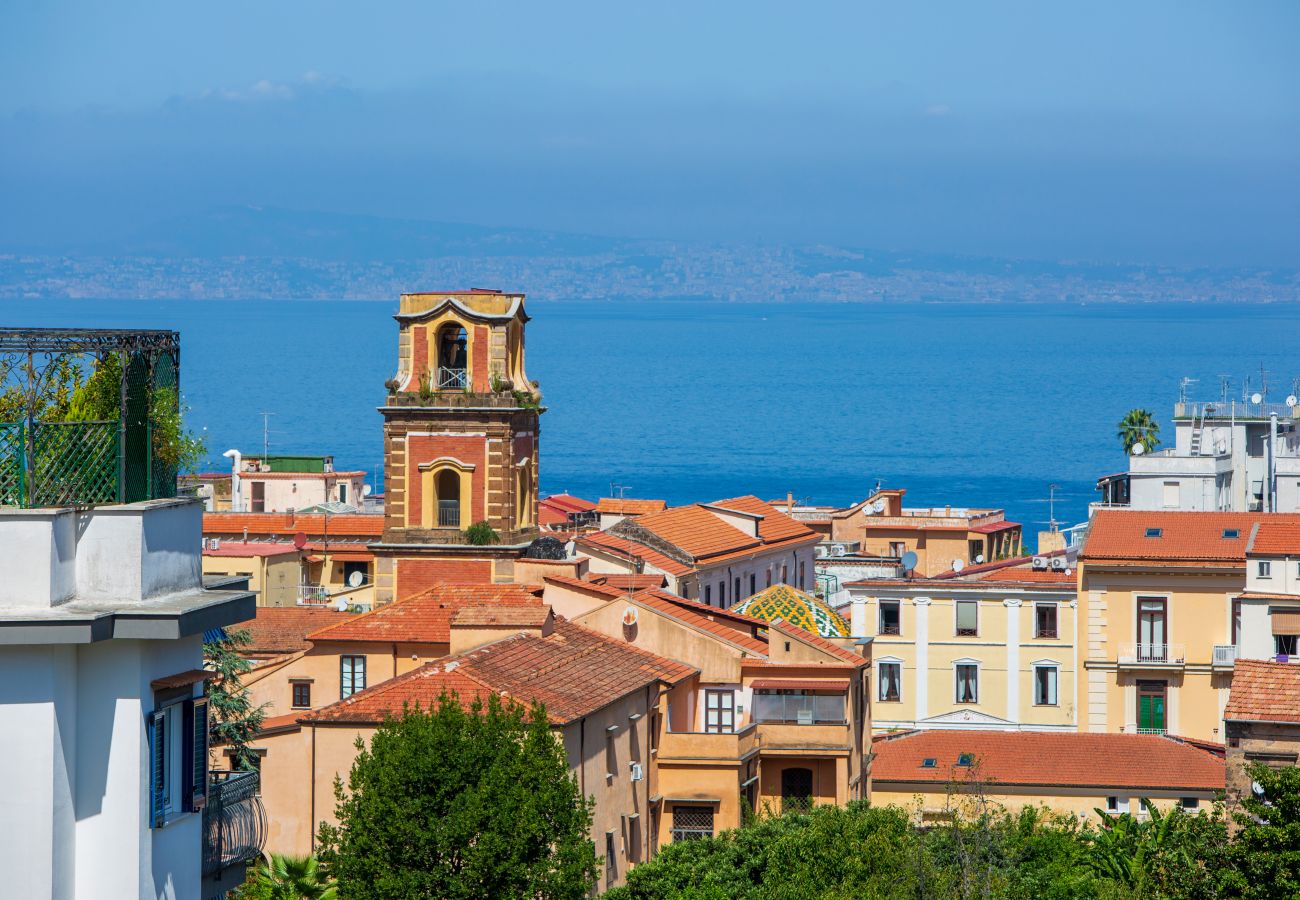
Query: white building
{"points": [[1266, 616], [103, 721], [1230, 456]]}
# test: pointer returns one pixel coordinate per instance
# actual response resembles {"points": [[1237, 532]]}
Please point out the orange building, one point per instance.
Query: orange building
{"points": [[461, 427]]}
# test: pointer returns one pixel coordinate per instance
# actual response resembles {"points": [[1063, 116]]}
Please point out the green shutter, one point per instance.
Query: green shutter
{"points": [[199, 754], [157, 767]]}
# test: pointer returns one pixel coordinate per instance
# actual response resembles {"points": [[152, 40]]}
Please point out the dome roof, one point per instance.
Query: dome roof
{"points": [[792, 605]]}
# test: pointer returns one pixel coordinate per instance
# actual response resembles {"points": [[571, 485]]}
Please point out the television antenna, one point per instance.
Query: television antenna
{"points": [[618, 490], [1051, 503], [266, 434], [1183, 386]]}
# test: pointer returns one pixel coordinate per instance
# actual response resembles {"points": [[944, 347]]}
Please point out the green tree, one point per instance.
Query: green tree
{"points": [[459, 802], [233, 720], [288, 878], [1265, 854], [1138, 427]]}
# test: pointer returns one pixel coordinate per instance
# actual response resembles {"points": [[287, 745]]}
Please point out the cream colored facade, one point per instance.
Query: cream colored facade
{"points": [[1009, 651], [273, 576], [929, 804], [1191, 668]]}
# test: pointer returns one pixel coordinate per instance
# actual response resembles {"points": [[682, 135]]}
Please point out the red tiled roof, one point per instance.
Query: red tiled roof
{"points": [[551, 515], [669, 606], [841, 653], [712, 612], [1276, 538], [1185, 536], [300, 476], [1050, 759], [532, 616], [1264, 692], [286, 722], [631, 582], [634, 550], [426, 617], [697, 531], [250, 549], [574, 671], [605, 590], [994, 527], [629, 507], [835, 685], [1024, 573], [568, 503], [285, 629], [357, 525], [774, 526]]}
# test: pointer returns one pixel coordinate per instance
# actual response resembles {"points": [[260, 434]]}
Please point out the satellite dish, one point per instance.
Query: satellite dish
{"points": [[958, 565], [1256, 397], [1138, 449], [878, 506], [341, 604], [1069, 572], [367, 490], [979, 559], [908, 561], [356, 579], [1291, 400], [299, 540]]}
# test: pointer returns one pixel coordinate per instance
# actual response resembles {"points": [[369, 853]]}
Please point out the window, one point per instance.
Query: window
{"points": [[719, 712], [753, 584], [769, 577], [1265, 569], [343, 492], [259, 496], [178, 750], [1284, 644], [930, 762], [967, 617], [890, 617], [722, 593], [1045, 685], [1152, 636], [897, 549], [803, 575], [1189, 802], [356, 574], [1045, 621], [1112, 804], [735, 594], [611, 870], [974, 550], [891, 682], [691, 823], [353, 675], [301, 695], [1231, 533], [968, 682], [708, 594], [966, 760], [797, 707], [785, 574], [1154, 532], [796, 790], [1236, 622], [1151, 706], [1170, 495]]}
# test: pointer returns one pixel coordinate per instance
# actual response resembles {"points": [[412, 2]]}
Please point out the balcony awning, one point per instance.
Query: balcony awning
{"points": [[1286, 621], [832, 686], [182, 679]]}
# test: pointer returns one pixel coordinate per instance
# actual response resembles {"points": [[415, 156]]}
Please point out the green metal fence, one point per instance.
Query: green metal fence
{"points": [[60, 464]]}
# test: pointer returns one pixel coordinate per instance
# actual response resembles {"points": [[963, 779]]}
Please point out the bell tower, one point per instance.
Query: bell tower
{"points": [[460, 443]]}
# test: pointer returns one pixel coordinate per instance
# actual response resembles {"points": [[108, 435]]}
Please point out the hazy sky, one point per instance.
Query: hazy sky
{"points": [[1151, 131]]}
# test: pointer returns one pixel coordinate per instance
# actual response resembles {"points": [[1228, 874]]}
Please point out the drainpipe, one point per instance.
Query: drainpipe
{"points": [[1271, 490]]}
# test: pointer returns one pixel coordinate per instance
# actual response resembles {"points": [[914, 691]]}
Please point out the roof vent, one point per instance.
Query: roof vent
{"points": [[1232, 533], [1154, 532]]}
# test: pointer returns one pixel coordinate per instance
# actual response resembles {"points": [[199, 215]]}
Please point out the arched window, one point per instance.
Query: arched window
{"points": [[796, 790], [524, 495], [446, 489], [453, 358]]}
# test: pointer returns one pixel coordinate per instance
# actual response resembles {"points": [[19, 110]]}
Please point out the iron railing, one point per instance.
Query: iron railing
{"points": [[88, 416], [1171, 654], [448, 513], [234, 821], [452, 379]]}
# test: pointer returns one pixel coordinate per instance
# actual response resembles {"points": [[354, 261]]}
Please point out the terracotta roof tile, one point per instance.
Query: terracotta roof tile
{"points": [[245, 549], [632, 582], [574, 671], [629, 507], [285, 629], [530, 616], [1184, 536], [697, 531], [843, 654], [1264, 692], [774, 526], [426, 617], [605, 590], [671, 607], [286, 525], [633, 550], [1276, 538], [568, 503], [1134, 761]]}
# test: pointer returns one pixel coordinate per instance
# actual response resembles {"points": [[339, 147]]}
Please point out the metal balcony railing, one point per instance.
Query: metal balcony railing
{"points": [[1225, 654], [452, 379], [448, 513], [1156, 654], [234, 821]]}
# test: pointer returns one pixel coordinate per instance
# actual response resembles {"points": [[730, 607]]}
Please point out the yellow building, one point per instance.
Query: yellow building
{"points": [[938, 773], [991, 648], [273, 570], [1156, 619]]}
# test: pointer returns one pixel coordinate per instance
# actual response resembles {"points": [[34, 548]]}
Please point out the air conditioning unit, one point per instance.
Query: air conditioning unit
{"points": [[1059, 562], [837, 550], [214, 543], [820, 551], [638, 773], [1040, 562]]}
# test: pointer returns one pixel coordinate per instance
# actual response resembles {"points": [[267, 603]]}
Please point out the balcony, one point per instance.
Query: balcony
{"points": [[452, 379], [448, 513], [820, 737], [1152, 656], [694, 745], [234, 821], [1225, 656], [95, 419]]}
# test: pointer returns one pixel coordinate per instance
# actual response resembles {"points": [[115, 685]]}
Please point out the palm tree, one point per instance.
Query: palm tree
{"points": [[292, 878], [1138, 427]]}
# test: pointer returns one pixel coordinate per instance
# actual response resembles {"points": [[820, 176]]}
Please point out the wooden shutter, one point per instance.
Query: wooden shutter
{"points": [[157, 766], [1286, 621], [198, 764]]}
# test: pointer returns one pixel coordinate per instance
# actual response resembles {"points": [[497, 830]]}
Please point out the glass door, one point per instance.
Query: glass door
{"points": [[1152, 639], [1151, 707], [719, 712]]}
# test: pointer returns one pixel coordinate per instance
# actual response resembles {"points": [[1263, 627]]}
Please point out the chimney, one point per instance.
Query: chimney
{"points": [[789, 501]]}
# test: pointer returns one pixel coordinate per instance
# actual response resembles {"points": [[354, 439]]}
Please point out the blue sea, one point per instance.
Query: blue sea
{"points": [[968, 405]]}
